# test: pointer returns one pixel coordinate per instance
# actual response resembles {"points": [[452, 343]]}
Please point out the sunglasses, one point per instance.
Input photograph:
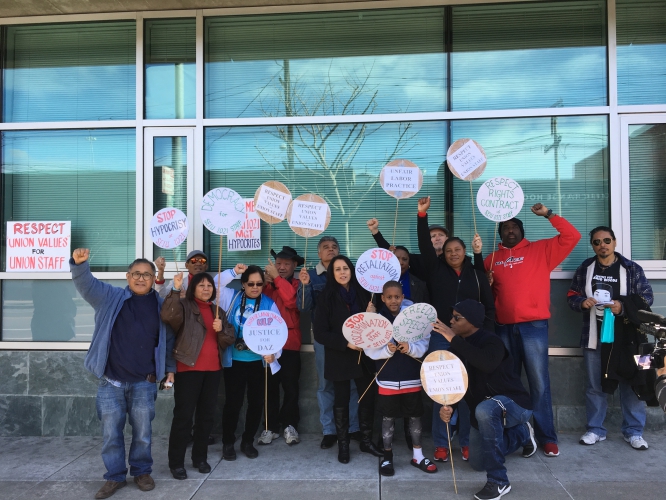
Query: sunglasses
{"points": [[198, 260], [138, 276], [458, 317], [254, 285], [607, 241]]}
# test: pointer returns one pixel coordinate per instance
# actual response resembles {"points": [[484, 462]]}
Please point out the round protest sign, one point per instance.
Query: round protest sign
{"points": [[375, 267], [414, 322], [500, 199], [367, 330], [444, 377], [265, 332], [222, 211], [401, 179], [308, 215], [271, 201], [169, 228], [466, 159]]}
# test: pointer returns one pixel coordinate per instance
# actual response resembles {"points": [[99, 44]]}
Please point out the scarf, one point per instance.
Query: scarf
{"points": [[349, 297]]}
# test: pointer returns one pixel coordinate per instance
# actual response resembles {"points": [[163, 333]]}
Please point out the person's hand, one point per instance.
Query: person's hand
{"points": [[661, 371], [403, 347], [160, 264], [443, 330], [539, 209], [491, 278], [445, 413], [80, 255], [170, 379], [616, 308], [373, 225], [240, 268], [269, 358], [392, 248], [371, 307], [477, 243], [304, 276], [354, 347], [178, 281], [217, 325], [424, 204], [271, 270], [391, 347], [588, 302]]}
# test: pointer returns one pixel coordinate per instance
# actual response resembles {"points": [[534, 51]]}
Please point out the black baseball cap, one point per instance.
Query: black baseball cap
{"points": [[472, 311]]}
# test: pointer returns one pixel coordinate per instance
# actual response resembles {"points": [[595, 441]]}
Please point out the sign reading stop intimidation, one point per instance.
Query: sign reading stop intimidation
{"points": [[500, 199], [265, 332], [375, 267], [367, 330], [169, 228], [40, 246]]}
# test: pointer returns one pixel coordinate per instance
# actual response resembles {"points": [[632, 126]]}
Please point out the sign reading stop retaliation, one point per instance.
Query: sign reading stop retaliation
{"points": [[375, 267], [41, 246]]}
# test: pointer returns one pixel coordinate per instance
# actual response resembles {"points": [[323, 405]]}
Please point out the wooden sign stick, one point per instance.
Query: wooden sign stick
{"points": [[305, 259], [395, 223], [471, 197], [373, 381], [175, 260], [219, 271], [453, 471], [492, 259], [266, 396], [359, 357]]}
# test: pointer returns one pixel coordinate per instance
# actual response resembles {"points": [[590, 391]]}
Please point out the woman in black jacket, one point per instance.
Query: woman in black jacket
{"points": [[341, 298], [413, 288]]}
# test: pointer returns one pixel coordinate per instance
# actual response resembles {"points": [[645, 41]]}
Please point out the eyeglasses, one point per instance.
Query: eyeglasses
{"points": [[607, 241], [198, 260], [139, 276], [458, 317], [254, 285]]}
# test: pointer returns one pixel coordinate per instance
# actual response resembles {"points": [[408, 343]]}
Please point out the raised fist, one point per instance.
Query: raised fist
{"points": [[80, 255], [178, 281], [160, 264], [424, 204], [539, 209], [477, 243], [240, 268], [373, 225]]}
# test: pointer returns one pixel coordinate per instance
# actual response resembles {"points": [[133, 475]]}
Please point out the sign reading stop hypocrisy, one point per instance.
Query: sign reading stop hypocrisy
{"points": [[169, 228]]}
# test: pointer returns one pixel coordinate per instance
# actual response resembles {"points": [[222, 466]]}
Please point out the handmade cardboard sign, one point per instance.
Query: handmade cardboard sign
{"points": [[444, 377], [375, 267], [414, 322], [308, 215], [401, 179], [169, 228], [500, 199], [38, 246], [466, 159], [265, 332], [248, 236], [222, 211], [367, 330], [271, 201]]}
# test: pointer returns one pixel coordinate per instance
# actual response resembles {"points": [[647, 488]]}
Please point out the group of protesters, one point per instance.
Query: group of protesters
{"points": [[492, 313]]}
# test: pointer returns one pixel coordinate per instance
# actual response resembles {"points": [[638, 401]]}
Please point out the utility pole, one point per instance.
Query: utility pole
{"points": [[557, 140]]}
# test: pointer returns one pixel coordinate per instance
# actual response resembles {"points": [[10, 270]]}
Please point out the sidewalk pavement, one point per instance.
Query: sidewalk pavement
{"points": [[71, 468]]}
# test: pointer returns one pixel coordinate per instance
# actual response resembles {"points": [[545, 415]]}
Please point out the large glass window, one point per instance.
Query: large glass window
{"points": [[87, 177], [641, 51], [73, 71], [529, 55], [647, 178], [561, 162], [170, 57], [354, 62]]}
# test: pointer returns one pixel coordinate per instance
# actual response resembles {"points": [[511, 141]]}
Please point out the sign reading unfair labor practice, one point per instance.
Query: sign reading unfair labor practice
{"points": [[375, 267], [39, 246], [444, 377], [248, 237], [169, 228], [401, 179], [222, 211], [414, 322], [367, 330], [265, 332], [500, 199]]}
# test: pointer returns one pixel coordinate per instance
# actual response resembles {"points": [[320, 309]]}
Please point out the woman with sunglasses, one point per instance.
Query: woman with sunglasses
{"points": [[201, 339], [243, 369], [342, 297]]}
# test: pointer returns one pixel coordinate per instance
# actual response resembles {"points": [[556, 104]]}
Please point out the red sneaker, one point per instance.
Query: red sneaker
{"points": [[465, 453], [551, 450], [441, 454]]}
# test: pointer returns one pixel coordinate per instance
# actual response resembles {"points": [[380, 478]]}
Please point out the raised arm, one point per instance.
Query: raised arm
{"points": [[91, 289], [373, 226], [428, 255]]}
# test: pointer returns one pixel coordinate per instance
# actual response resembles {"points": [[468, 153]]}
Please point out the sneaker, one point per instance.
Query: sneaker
{"points": [[441, 454], [492, 491], [530, 448], [465, 453], [636, 442], [551, 450], [589, 438], [386, 466], [291, 435], [267, 437]]}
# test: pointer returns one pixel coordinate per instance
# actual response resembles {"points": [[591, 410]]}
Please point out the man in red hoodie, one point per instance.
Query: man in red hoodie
{"points": [[282, 287], [520, 277]]}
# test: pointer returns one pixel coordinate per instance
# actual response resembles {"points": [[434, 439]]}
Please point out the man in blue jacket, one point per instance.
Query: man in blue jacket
{"points": [[128, 353]]}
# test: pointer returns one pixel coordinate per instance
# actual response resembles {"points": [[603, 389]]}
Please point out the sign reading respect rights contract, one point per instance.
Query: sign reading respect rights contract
{"points": [[38, 246]]}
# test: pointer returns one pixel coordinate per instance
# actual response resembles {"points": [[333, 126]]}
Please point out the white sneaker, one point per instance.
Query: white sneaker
{"points": [[267, 437], [291, 435], [590, 438], [636, 442]]}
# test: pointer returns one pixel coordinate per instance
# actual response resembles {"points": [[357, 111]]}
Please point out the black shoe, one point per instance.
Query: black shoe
{"points": [[328, 441], [367, 446], [228, 452], [179, 473], [365, 420], [356, 436], [492, 491], [341, 416], [204, 467], [249, 450], [386, 467]]}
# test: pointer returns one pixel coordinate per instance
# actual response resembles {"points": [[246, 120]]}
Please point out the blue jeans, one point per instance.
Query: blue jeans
{"points": [[528, 345], [493, 440], [460, 418], [596, 401], [113, 405], [326, 397]]}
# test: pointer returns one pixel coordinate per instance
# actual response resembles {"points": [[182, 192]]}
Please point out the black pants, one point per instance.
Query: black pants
{"points": [[192, 391], [287, 377], [237, 377], [342, 391]]}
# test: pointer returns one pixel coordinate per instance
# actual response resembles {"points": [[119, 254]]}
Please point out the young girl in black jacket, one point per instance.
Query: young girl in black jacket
{"points": [[342, 297]]}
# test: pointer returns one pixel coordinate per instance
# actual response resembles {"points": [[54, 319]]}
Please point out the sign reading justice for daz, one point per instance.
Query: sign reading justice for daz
{"points": [[265, 332], [500, 199], [168, 228], [222, 211], [375, 267], [367, 330], [38, 246]]}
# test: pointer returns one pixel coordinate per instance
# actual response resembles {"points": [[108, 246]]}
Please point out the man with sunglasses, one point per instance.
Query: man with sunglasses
{"points": [[130, 350], [196, 262], [609, 281]]}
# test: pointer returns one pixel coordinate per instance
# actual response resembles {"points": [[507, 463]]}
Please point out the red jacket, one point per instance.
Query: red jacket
{"points": [[521, 274], [283, 294]]}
